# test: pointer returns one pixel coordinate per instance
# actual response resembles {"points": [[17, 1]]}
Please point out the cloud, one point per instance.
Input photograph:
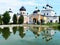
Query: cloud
{"points": [[14, 4]]}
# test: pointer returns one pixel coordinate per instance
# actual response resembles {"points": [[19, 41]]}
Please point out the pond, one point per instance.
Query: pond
{"points": [[29, 36]]}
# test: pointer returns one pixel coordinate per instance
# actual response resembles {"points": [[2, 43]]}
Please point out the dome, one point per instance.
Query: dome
{"points": [[47, 5], [22, 9], [10, 11], [36, 11]]}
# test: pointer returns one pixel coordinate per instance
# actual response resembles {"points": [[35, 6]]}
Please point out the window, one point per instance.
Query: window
{"points": [[56, 21], [44, 13], [34, 20], [23, 12], [51, 21], [55, 17], [47, 13]]}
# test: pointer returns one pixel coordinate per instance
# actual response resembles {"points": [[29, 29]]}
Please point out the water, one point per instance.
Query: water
{"points": [[29, 36]]}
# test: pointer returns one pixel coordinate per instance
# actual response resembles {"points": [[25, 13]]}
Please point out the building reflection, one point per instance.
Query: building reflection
{"points": [[45, 32], [48, 34], [36, 30], [0, 30]]}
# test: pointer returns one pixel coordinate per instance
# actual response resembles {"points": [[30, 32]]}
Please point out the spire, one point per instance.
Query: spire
{"points": [[44, 7], [36, 8]]}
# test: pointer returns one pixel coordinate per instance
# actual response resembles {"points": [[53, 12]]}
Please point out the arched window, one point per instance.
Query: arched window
{"points": [[51, 21], [23, 12], [34, 20]]}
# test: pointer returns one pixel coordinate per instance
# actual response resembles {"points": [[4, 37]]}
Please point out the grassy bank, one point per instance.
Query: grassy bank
{"points": [[54, 25], [44, 25]]}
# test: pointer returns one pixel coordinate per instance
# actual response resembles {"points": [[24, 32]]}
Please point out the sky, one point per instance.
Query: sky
{"points": [[30, 5]]}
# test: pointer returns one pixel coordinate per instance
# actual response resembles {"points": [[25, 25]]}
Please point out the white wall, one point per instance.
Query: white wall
{"points": [[11, 17], [23, 12], [54, 19], [50, 12], [50, 15]]}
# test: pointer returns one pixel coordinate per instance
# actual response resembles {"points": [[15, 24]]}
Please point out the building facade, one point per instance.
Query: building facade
{"points": [[46, 15], [23, 12], [50, 14], [36, 17]]}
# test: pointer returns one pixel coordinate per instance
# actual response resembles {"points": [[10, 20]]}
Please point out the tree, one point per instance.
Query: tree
{"points": [[6, 17], [21, 19], [14, 19], [59, 19], [0, 20]]}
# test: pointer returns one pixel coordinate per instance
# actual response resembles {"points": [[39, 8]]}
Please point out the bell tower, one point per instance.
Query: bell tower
{"points": [[22, 11]]}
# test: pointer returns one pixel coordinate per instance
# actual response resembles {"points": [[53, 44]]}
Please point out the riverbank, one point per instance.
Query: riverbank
{"points": [[12, 25]]}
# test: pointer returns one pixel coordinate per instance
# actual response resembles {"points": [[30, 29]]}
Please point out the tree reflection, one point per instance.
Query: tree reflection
{"points": [[5, 32], [21, 32], [56, 27], [59, 28], [14, 30], [0, 30]]}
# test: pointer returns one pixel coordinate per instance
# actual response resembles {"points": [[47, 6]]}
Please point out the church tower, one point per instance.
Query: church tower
{"points": [[11, 15], [23, 12]]}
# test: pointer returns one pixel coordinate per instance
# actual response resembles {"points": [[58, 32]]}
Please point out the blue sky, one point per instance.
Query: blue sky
{"points": [[28, 4]]}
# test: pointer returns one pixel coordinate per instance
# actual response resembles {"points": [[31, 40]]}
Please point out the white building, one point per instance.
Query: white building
{"points": [[50, 14], [22, 11], [47, 14], [11, 16]]}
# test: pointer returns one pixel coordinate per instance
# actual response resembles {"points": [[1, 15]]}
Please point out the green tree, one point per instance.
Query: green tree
{"points": [[6, 17], [59, 19], [0, 20], [14, 19], [21, 19]]}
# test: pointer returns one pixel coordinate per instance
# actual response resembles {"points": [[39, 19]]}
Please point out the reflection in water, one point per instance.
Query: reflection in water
{"points": [[56, 27], [21, 32], [0, 30], [36, 30], [5, 32], [46, 33], [14, 30]]}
